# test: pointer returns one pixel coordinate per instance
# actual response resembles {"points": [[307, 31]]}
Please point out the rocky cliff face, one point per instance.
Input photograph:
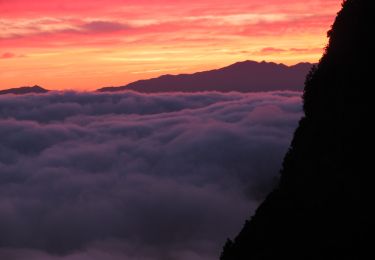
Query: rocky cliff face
{"points": [[321, 209]]}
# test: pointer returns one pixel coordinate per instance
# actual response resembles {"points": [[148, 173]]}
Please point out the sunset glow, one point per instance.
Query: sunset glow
{"points": [[85, 45]]}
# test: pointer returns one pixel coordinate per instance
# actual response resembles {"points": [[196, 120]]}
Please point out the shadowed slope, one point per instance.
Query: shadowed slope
{"points": [[321, 207]]}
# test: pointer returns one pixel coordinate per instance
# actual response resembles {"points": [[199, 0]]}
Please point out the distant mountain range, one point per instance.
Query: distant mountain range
{"points": [[24, 90], [246, 76]]}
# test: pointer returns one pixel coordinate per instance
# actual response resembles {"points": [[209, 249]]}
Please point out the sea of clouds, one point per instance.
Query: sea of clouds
{"points": [[87, 176]]}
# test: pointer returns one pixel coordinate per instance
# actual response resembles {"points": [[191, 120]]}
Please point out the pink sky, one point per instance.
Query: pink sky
{"points": [[84, 45]]}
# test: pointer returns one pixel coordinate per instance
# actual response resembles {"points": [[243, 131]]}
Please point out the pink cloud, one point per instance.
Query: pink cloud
{"points": [[7, 55], [271, 50], [243, 18], [104, 26]]}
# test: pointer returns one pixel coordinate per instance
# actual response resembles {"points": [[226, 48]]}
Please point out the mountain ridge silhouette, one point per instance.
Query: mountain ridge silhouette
{"points": [[246, 76], [24, 90]]}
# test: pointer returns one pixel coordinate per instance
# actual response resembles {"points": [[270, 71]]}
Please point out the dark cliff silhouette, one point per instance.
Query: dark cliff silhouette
{"points": [[24, 90], [247, 76], [321, 208]]}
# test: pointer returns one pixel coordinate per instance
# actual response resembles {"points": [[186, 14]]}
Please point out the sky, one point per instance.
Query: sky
{"points": [[85, 45]]}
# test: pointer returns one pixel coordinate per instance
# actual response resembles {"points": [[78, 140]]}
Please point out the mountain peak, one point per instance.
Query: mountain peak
{"points": [[256, 63], [24, 90]]}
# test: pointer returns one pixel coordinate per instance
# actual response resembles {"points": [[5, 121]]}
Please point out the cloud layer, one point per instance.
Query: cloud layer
{"points": [[134, 176]]}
